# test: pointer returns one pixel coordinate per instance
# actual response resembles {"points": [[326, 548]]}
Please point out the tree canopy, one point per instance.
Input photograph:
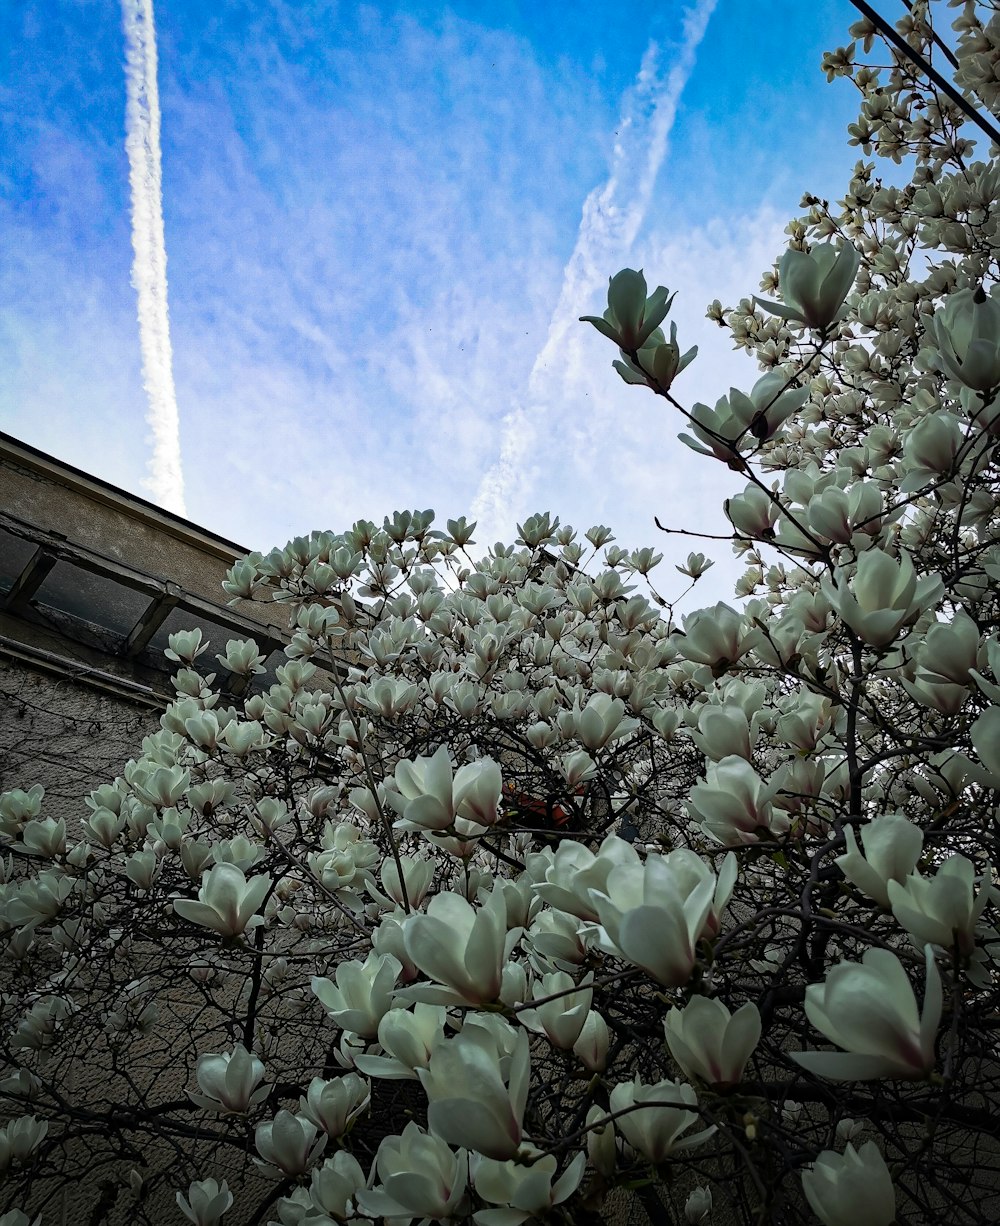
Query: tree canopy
{"points": [[519, 890]]}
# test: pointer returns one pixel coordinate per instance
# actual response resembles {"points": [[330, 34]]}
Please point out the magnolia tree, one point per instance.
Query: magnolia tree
{"points": [[512, 893]]}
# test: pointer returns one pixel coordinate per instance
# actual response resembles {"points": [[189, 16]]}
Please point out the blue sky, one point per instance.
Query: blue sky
{"points": [[381, 222]]}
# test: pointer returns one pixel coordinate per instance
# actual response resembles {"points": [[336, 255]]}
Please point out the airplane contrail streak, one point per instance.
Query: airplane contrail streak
{"points": [[611, 217], [149, 264]]}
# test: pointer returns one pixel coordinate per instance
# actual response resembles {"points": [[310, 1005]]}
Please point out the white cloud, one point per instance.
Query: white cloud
{"points": [[362, 286], [611, 218]]}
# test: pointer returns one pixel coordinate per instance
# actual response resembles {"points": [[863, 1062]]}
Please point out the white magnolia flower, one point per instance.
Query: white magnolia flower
{"points": [[752, 513], [227, 901], [476, 791], [419, 1177], [476, 1093], [601, 722], [944, 909], [814, 284], [836, 513], [558, 940], [408, 1037], [289, 1143], [734, 803], [717, 637], [870, 1011], [524, 1191], [709, 1042], [892, 847], [698, 1206], [331, 1196], [651, 921], [206, 1202], [930, 449], [334, 1105], [561, 1020], [184, 646], [576, 871], [631, 316], [461, 946], [362, 994], [591, 1048], [242, 658], [423, 794], [20, 1138], [230, 1082], [986, 740], [602, 1152], [724, 730], [967, 332], [162, 786], [654, 1116], [884, 596], [851, 1189]]}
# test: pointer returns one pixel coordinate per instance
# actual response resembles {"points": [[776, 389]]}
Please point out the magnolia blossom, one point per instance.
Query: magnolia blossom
{"points": [[430, 795], [892, 847], [717, 637], [602, 721], [986, 740], [476, 791], [362, 994], [561, 1020], [658, 357], [332, 1192], [851, 1188], [709, 1042], [230, 1082], [419, 1177], [20, 1138], [418, 873], [227, 901], [734, 803], [333, 1105], [654, 1116], [631, 316], [870, 1011], [576, 871], [698, 1206], [523, 1190], [650, 921], [424, 792], [558, 940], [967, 332], [408, 1037], [814, 284], [206, 1202], [836, 513], [883, 596], [944, 909], [724, 730], [591, 1046], [288, 1142], [461, 946], [476, 1093]]}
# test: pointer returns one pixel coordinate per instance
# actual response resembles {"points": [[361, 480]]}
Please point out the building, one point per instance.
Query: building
{"points": [[93, 580]]}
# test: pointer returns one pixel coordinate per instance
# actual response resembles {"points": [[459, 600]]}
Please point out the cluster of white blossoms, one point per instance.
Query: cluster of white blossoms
{"points": [[510, 888]]}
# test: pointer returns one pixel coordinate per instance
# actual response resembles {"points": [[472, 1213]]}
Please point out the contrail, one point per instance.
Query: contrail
{"points": [[149, 266], [610, 221]]}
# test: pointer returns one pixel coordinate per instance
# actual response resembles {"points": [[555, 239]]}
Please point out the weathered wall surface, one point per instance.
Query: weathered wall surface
{"points": [[64, 734]]}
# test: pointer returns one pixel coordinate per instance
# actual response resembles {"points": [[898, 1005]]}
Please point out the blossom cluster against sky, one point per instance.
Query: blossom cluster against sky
{"points": [[381, 223]]}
